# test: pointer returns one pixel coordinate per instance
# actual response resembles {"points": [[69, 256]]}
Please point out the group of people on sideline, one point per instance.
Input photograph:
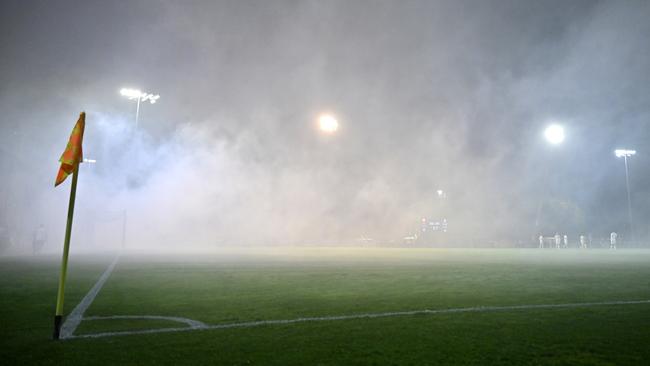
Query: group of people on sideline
{"points": [[562, 241]]}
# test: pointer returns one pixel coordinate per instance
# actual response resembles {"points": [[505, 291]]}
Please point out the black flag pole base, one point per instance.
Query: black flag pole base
{"points": [[57, 326]]}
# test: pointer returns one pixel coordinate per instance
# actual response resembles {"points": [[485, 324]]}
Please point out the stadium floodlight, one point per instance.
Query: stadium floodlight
{"points": [[620, 153], [554, 134], [130, 93], [625, 153], [327, 123], [139, 96]]}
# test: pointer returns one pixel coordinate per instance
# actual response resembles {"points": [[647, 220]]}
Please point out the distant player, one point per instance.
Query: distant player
{"points": [[566, 241], [541, 242], [612, 240], [40, 237], [558, 241], [583, 242]]}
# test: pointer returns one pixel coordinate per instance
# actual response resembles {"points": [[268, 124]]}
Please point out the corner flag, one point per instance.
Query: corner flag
{"points": [[73, 153], [70, 160]]}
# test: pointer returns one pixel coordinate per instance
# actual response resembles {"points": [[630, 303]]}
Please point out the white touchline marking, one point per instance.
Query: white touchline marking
{"points": [[72, 321], [478, 309]]}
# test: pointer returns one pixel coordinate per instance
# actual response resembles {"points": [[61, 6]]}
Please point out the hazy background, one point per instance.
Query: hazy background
{"points": [[450, 95]]}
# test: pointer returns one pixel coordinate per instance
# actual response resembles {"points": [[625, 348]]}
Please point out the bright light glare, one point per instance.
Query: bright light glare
{"points": [[327, 123], [554, 134], [138, 94], [131, 93], [622, 152], [150, 97]]}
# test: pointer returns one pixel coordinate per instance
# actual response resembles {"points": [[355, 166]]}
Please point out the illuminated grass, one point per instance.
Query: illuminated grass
{"points": [[283, 285], [118, 325]]}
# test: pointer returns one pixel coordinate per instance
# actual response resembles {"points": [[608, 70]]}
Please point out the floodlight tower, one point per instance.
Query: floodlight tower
{"points": [[624, 153], [139, 96]]}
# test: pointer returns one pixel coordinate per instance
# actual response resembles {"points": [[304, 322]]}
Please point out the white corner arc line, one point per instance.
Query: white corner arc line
{"points": [[72, 321], [478, 309], [194, 324]]}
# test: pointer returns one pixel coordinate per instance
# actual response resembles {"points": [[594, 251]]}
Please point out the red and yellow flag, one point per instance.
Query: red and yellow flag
{"points": [[73, 155]]}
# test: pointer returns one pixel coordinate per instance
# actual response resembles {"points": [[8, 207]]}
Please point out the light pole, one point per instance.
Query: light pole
{"points": [[624, 153], [139, 96]]}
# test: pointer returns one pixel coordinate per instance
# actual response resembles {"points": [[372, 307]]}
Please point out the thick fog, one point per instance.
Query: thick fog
{"points": [[449, 96]]}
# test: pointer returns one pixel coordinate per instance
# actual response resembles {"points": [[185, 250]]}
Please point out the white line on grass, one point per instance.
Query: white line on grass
{"points": [[478, 309], [72, 321], [190, 322]]}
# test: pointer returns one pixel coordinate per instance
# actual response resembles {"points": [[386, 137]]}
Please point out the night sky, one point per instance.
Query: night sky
{"points": [[450, 95]]}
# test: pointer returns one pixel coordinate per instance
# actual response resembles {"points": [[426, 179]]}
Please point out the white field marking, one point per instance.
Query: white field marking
{"points": [[190, 322], [72, 321], [478, 309]]}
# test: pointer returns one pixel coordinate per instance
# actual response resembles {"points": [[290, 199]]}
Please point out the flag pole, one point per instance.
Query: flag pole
{"points": [[58, 317]]}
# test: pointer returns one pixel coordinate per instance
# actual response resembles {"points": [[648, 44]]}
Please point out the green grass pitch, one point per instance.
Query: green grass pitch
{"points": [[232, 287]]}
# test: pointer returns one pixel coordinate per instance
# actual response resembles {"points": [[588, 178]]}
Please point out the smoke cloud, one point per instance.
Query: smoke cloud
{"points": [[447, 96]]}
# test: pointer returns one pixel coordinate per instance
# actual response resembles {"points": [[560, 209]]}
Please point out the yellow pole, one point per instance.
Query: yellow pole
{"points": [[58, 317]]}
